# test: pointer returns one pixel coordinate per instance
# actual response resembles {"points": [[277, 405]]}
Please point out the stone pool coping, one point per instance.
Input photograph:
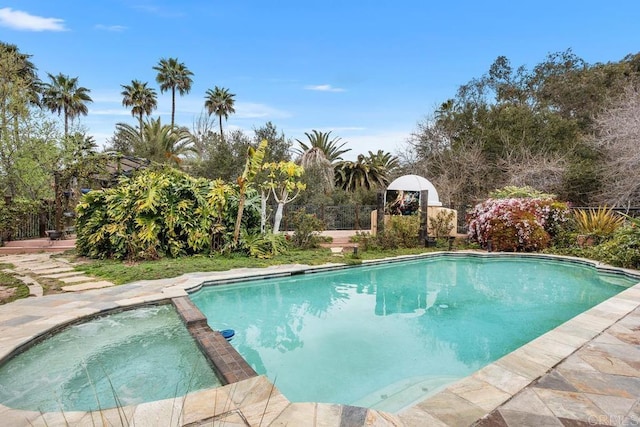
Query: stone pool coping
{"points": [[255, 401]]}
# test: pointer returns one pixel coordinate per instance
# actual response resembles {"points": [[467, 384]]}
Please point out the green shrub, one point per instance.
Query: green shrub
{"points": [[401, 231], [306, 230], [522, 233], [513, 192], [623, 248], [600, 223], [365, 240], [264, 246], [441, 224], [160, 213]]}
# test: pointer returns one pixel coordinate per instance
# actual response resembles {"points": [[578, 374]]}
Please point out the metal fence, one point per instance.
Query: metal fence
{"points": [[28, 228], [341, 217], [33, 225]]}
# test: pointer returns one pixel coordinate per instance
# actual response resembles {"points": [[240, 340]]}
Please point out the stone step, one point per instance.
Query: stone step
{"points": [[76, 279], [53, 270], [70, 273], [87, 286], [35, 290]]}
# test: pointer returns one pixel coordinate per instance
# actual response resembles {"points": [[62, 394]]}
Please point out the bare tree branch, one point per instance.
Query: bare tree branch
{"points": [[618, 136]]}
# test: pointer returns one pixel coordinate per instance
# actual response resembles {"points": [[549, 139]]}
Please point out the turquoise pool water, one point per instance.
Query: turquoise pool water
{"points": [[388, 335], [135, 356]]}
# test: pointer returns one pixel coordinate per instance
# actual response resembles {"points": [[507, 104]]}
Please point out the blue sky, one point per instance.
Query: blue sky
{"points": [[368, 70]]}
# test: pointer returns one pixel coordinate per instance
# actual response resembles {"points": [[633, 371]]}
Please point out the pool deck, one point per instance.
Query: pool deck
{"points": [[586, 372]]}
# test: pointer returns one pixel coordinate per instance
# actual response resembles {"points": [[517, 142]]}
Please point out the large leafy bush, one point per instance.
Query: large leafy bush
{"points": [[306, 230], [517, 224], [159, 213], [400, 231], [620, 249]]}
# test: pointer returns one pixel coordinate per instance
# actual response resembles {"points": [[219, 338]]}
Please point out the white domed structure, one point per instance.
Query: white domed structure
{"points": [[416, 183]]}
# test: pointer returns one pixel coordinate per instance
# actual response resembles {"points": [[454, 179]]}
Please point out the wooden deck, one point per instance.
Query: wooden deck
{"points": [[31, 246]]}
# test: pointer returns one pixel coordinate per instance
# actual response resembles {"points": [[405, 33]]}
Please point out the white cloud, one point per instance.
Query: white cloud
{"points": [[113, 28], [23, 21], [324, 88]]}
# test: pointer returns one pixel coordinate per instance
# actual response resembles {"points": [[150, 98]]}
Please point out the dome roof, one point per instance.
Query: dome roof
{"points": [[416, 183]]}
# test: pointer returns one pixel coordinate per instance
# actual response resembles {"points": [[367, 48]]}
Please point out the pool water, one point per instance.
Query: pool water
{"points": [[135, 356], [388, 335]]}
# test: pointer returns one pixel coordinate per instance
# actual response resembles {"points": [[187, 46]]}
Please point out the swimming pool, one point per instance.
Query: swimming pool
{"points": [[388, 335], [140, 355]]}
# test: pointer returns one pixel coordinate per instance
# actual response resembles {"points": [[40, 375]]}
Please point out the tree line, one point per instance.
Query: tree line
{"points": [[565, 127], [38, 159]]}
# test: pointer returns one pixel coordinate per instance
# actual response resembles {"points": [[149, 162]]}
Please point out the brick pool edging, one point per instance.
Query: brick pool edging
{"points": [[229, 365]]}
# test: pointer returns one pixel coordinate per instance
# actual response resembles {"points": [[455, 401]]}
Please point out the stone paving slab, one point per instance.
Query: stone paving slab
{"points": [[76, 279], [27, 280], [87, 286], [53, 270], [35, 290], [598, 385], [64, 274], [50, 265]]}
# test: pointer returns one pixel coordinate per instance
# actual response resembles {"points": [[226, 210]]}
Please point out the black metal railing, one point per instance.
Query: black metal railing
{"points": [[341, 217]]}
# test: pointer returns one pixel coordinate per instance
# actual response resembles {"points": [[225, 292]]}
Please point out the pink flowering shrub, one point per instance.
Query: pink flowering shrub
{"points": [[516, 224]]}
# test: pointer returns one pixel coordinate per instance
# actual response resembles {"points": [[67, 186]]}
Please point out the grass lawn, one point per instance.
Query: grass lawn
{"points": [[120, 272], [10, 287]]}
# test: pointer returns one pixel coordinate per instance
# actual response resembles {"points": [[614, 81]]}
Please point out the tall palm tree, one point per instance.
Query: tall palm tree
{"points": [[331, 148], [318, 169], [219, 102], [384, 162], [362, 174], [173, 75], [20, 87], [157, 142], [141, 99], [63, 95], [22, 70]]}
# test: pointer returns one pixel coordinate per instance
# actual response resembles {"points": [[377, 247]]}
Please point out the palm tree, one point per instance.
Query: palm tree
{"points": [[219, 102], [384, 162], [63, 95], [141, 98], [157, 142], [362, 174], [173, 75], [21, 87], [332, 151], [318, 169], [23, 71]]}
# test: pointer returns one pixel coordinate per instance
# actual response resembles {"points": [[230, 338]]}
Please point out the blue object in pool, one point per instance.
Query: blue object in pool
{"points": [[227, 333]]}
